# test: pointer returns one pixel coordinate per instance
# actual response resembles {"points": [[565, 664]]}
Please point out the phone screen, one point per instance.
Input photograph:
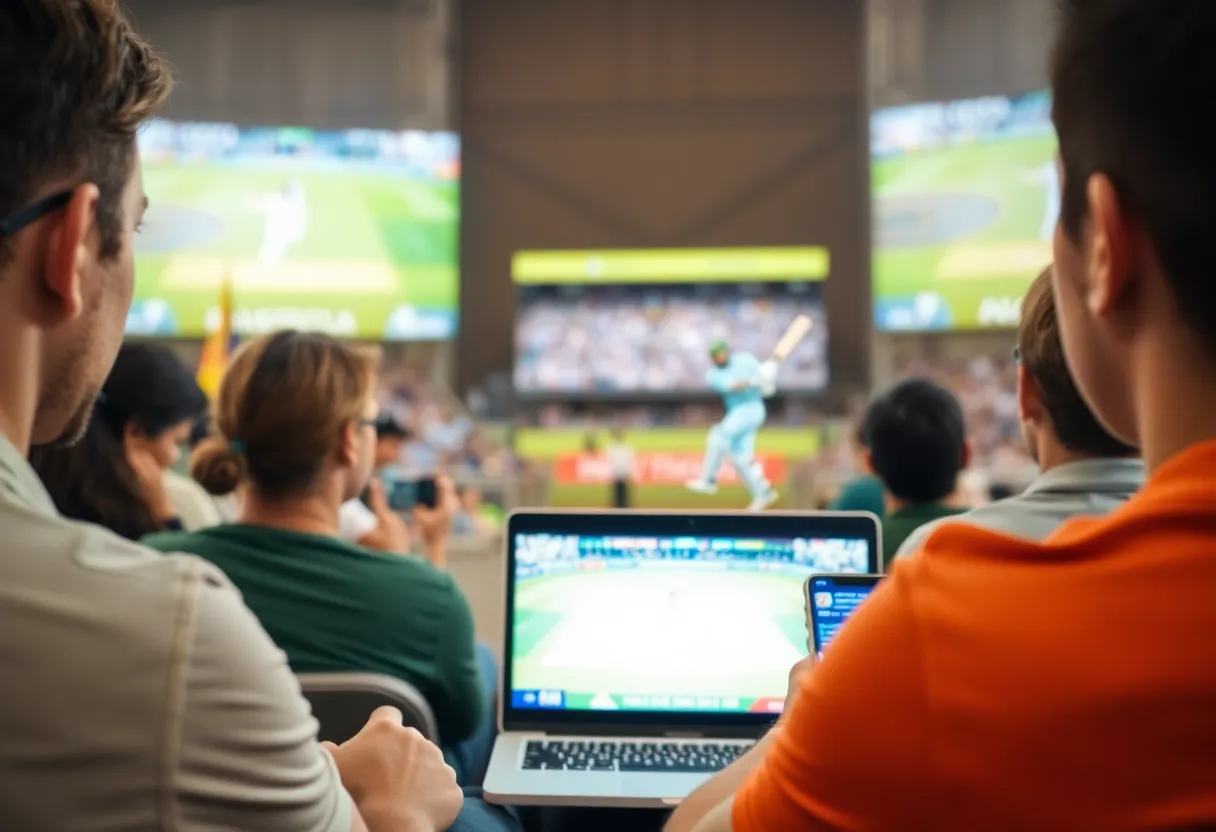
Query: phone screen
{"points": [[830, 601], [404, 494]]}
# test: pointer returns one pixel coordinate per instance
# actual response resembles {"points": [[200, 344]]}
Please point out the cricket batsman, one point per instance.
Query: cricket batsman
{"points": [[742, 381]]}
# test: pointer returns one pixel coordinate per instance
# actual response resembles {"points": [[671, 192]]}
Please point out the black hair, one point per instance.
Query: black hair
{"points": [[1131, 82], [92, 481], [917, 440], [389, 428]]}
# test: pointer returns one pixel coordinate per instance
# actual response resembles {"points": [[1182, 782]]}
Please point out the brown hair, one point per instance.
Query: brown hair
{"points": [[281, 410], [77, 84], [1041, 352]]}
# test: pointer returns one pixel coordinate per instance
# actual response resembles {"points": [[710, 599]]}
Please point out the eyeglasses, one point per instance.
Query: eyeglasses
{"points": [[32, 213]]}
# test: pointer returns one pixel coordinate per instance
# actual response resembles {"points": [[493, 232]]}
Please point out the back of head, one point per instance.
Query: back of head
{"points": [[1131, 80], [281, 412], [917, 441], [149, 387], [77, 83], [1041, 353]]}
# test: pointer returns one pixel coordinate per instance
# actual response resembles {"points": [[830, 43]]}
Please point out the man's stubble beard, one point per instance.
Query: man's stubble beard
{"points": [[78, 424], [62, 393]]}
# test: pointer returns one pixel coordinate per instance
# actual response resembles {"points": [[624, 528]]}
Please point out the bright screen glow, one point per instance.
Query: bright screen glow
{"points": [[349, 232], [694, 624], [622, 322], [966, 196]]}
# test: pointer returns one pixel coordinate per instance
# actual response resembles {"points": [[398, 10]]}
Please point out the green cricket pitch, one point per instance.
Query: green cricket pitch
{"points": [[659, 633], [966, 223], [373, 243]]}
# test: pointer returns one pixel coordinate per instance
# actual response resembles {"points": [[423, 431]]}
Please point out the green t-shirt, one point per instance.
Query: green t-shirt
{"points": [[332, 607], [862, 494], [898, 525]]}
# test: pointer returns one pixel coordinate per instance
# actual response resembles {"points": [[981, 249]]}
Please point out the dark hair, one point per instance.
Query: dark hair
{"points": [[149, 390], [77, 84], [282, 407], [1042, 354], [389, 428], [1128, 79], [917, 441]]}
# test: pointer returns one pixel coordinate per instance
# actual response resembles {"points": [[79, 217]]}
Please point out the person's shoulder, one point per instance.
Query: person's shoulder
{"points": [[170, 541], [416, 572], [112, 571]]}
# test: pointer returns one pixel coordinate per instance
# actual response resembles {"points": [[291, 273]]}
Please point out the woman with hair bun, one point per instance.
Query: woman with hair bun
{"points": [[293, 427]]}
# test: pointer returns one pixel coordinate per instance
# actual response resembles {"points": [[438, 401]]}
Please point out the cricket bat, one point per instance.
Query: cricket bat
{"points": [[794, 335], [797, 331]]}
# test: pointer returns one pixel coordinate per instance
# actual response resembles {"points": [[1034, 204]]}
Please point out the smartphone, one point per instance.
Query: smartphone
{"points": [[404, 494], [830, 600]]}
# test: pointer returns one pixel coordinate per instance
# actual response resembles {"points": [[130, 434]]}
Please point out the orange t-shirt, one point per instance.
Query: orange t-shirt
{"points": [[994, 684]]}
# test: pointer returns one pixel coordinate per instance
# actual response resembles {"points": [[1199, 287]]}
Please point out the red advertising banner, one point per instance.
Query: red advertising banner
{"points": [[655, 468]]}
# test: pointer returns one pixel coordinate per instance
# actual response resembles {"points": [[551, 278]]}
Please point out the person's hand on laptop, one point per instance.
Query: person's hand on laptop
{"points": [[397, 777]]}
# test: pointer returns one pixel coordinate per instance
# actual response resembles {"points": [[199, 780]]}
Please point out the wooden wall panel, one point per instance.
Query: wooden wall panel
{"points": [[616, 123]]}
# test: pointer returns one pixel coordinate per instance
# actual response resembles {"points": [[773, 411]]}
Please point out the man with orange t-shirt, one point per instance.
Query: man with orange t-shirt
{"points": [[996, 684]]}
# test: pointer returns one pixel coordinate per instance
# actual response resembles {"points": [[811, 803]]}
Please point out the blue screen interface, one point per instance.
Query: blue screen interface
{"points": [[833, 600]]}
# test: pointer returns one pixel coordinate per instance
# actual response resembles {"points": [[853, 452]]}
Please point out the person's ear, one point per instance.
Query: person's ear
{"points": [[867, 462], [1113, 250], [348, 448], [1030, 404], [71, 246], [968, 453]]}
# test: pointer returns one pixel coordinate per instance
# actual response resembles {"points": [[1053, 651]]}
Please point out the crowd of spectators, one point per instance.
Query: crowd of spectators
{"points": [[151, 689], [657, 340]]}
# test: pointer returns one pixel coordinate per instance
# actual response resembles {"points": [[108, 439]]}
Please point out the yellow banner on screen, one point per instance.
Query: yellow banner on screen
{"points": [[672, 265]]}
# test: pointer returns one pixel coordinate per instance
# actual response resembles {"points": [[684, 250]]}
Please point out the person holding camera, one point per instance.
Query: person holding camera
{"points": [[294, 427]]}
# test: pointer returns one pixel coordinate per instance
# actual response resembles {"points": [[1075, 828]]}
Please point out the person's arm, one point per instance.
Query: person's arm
{"points": [[241, 751], [460, 703], [858, 728], [719, 790]]}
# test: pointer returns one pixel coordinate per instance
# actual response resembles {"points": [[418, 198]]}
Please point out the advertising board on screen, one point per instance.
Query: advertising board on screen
{"points": [[349, 232], [629, 322], [966, 195]]}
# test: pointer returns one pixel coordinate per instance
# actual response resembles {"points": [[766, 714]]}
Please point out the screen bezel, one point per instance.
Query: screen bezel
{"points": [[855, 525], [870, 581]]}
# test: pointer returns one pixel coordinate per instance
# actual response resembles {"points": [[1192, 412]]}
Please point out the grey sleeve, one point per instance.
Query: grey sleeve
{"points": [[245, 755], [915, 541]]}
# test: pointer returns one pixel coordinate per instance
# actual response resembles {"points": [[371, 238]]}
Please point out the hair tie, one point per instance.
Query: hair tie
{"points": [[236, 446]]}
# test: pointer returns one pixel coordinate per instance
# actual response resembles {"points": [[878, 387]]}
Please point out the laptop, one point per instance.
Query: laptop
{"points": [[647, 650]]}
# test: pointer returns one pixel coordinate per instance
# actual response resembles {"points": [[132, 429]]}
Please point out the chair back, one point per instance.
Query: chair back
{"points": [[342, 703]]}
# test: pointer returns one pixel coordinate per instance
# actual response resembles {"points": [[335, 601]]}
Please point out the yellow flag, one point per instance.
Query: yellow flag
{"points": [[218, 347]]}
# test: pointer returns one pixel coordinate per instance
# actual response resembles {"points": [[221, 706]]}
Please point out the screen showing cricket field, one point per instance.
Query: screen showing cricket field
{"points": [[623, 322], [349, 232], [966, 196], [690, 624]]}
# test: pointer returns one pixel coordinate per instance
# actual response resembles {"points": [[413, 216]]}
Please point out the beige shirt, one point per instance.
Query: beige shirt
{"points": [[138, 692], [193, 505]]}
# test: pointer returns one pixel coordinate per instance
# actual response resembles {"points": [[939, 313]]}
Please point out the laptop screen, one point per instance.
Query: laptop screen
{"points": [[702, 623]]}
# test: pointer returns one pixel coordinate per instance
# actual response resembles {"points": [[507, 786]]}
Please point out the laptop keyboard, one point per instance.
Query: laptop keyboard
{"points": [[674, 757]]}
